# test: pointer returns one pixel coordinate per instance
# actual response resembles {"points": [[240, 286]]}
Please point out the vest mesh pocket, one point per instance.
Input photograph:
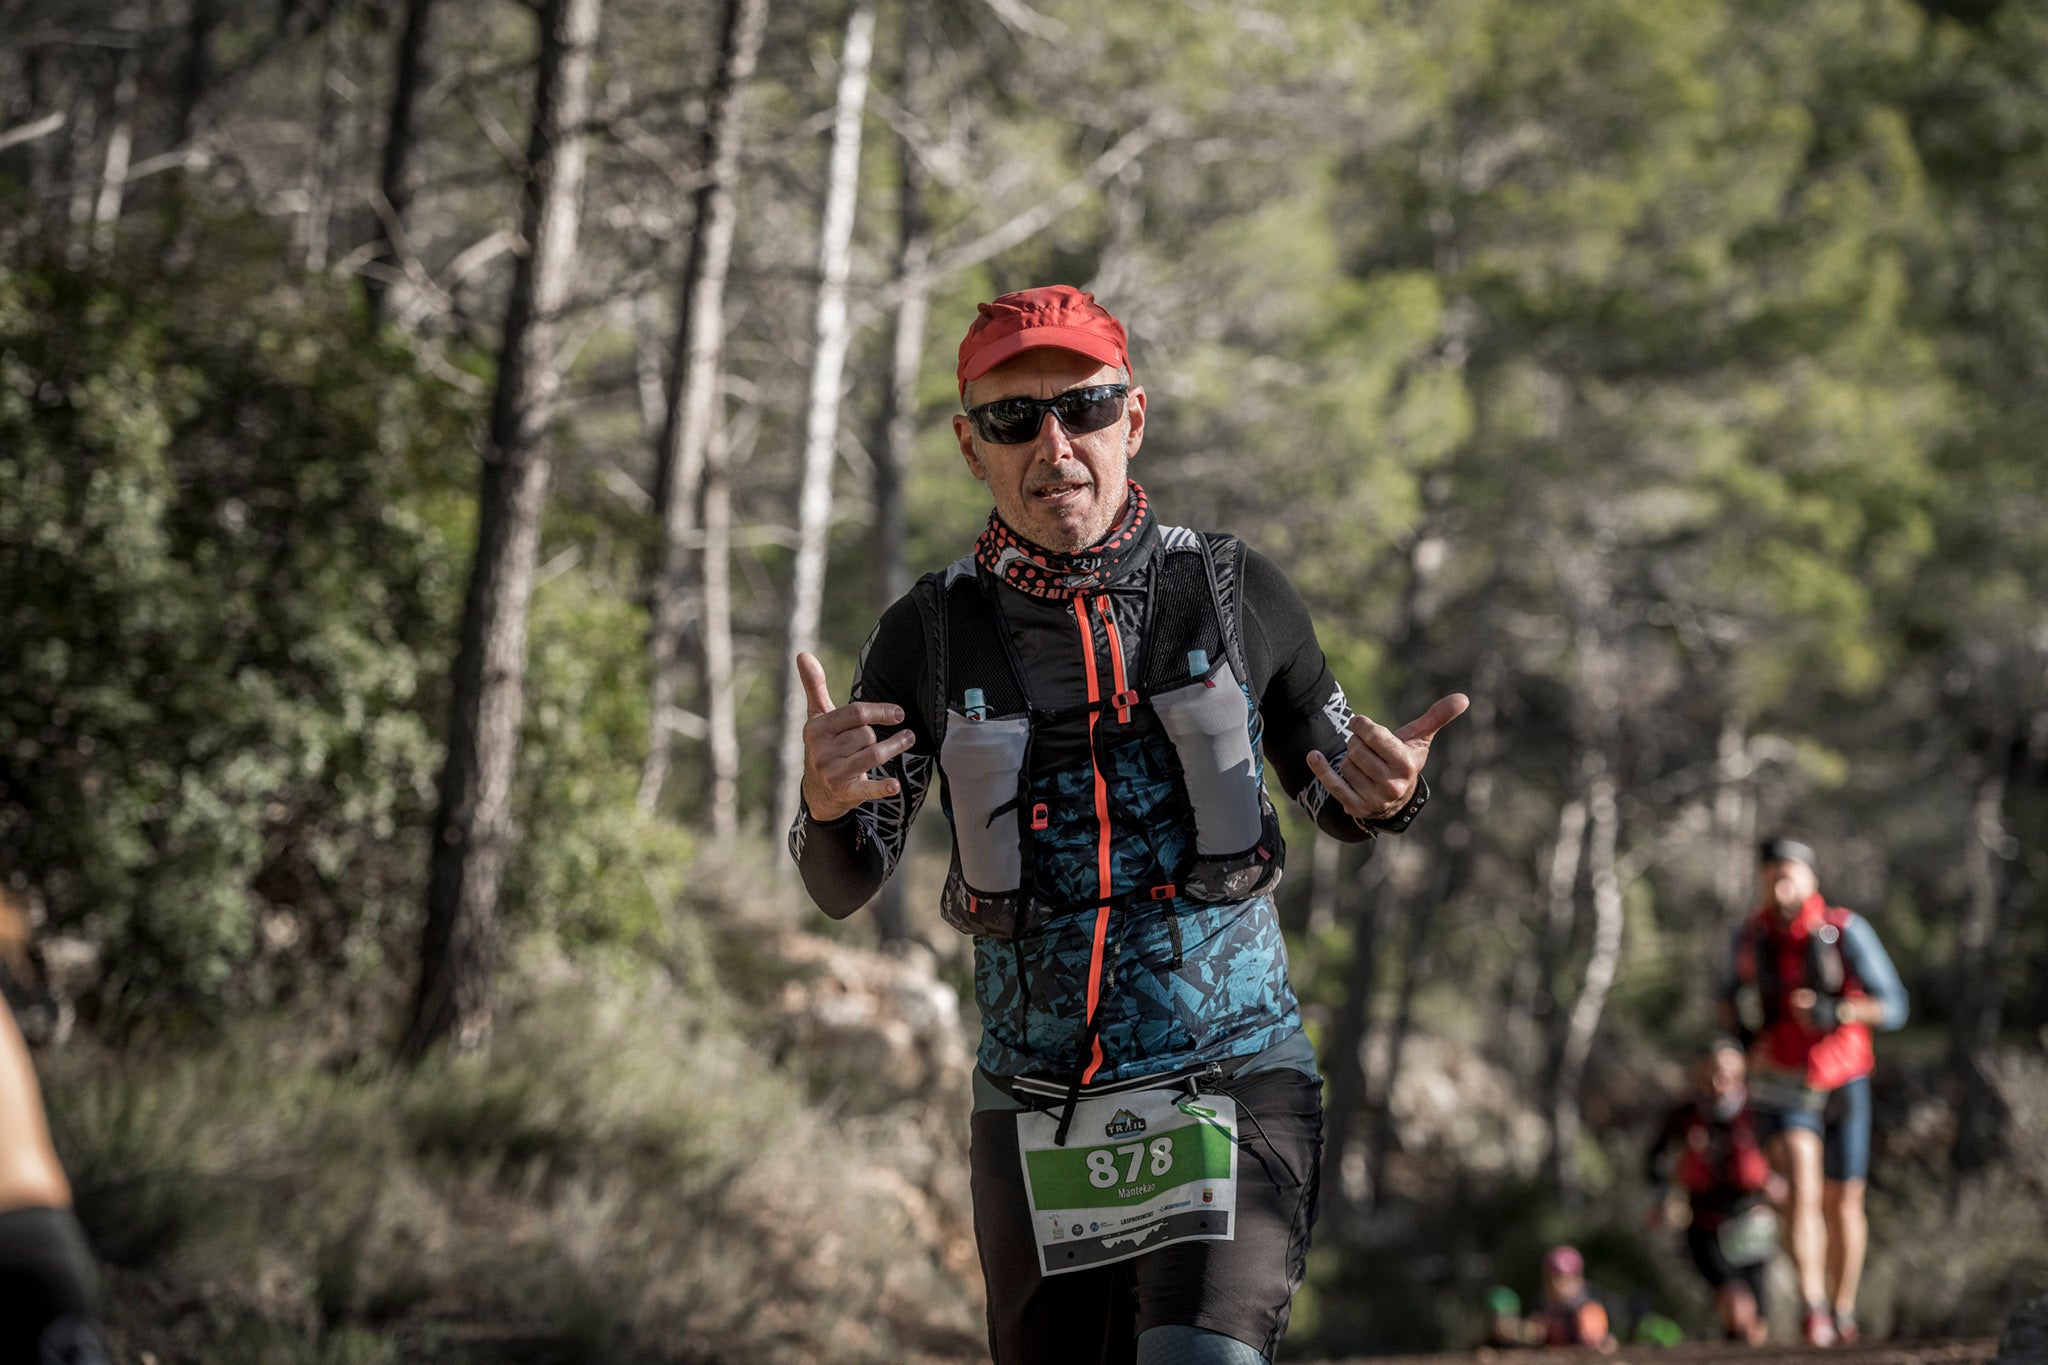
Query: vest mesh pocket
{"points": [[1207, 723], [984, 764]]}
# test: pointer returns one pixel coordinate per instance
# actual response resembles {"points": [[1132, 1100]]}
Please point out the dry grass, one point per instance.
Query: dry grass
{"points": [[623, 1176]]}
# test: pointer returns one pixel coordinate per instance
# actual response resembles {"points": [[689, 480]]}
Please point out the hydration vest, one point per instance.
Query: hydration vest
{"points": [[1775, 961], [1171, 738], [1721, 1164]]}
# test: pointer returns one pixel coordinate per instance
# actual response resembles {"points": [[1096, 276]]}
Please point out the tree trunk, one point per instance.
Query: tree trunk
{"points": [[1601, 837], [473, 827], [721, 697], [327, 138], [828, 363], [896, 423], [1978, 985], [1547, 1015], [1734, 820], [650, 366], [395, 180], [75, 169], [1345, 1056], [26, 145], [1422, 916], [2001, 890], [106, 211], [688, 445], [195, 71]]}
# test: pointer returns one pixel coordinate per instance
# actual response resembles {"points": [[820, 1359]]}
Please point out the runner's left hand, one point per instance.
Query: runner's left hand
{"points": [[1379, 768]]}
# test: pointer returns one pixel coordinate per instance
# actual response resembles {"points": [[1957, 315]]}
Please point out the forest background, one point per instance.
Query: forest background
{"points": [[428, 429]]}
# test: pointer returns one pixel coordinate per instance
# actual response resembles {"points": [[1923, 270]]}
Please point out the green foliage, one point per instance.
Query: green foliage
{"points": [[227, 601], [592, 868]]}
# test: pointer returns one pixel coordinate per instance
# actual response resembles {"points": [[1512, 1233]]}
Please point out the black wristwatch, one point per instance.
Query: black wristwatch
{"points": [[1398, 822]]}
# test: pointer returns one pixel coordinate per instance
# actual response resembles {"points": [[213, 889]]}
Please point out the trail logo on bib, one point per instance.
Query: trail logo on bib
{"points": [[1123, 1124]]}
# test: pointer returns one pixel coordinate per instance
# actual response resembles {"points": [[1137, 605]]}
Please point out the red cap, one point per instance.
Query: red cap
{"points": [[1053, 315], [1563, 1261]]}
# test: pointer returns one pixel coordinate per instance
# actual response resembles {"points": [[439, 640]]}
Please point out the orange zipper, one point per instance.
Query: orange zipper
{"points": [[1102, 878]]}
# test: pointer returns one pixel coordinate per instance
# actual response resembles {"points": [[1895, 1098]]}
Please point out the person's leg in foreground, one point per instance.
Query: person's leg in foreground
{"points": [[1797, 1153], [1846, 1169], [48, 1285]]}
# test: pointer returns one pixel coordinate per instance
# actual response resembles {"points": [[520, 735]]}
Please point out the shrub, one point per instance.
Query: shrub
{"points": [[228, 531]]}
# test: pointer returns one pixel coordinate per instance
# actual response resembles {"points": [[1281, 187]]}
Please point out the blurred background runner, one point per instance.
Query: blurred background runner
{"points": [[1807, 983], [1710, 1149]]}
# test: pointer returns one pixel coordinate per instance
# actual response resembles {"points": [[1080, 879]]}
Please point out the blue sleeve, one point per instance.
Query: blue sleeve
{"points": [[1873, 967]]}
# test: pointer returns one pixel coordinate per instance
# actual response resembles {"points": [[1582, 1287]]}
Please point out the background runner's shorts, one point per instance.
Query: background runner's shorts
{"points": [[1241, 1288], [1841, 1117], [1704, 1247]]}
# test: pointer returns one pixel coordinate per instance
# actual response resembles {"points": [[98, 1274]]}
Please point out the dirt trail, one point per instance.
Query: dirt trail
{"points": [[1973, 1351]]}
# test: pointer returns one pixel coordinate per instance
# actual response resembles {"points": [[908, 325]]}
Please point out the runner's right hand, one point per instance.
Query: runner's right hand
{"points": [[840, 747]]}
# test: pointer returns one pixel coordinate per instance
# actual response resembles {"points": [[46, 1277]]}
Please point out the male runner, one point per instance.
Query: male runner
{"points": [[1093, 689], [1710, 1147], [1807, 983]]}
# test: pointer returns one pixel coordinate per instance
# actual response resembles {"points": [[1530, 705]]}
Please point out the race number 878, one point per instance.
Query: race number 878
{"points": [[1102, 1162]]}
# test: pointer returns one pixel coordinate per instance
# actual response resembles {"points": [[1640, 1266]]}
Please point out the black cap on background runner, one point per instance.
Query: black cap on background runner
{"points": [[1784, 851]]}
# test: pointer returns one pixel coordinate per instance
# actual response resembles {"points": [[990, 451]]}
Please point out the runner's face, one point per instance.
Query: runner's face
{"points": [[1720, 1074], [1786, 885], [1057, 490]]}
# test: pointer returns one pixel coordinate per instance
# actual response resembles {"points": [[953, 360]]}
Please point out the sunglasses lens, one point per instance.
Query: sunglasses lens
{"points": [[1085, 410], [1012, 421]]}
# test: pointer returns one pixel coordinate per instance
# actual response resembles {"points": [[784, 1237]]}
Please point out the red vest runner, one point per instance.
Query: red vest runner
{"points": [[1718, 1163], [1777, 959]]}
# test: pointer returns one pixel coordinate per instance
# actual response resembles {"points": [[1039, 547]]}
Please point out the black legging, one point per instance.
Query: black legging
{"points": [[47, 1290]]}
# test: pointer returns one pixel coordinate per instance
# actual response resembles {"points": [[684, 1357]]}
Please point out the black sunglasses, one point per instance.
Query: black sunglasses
{"points": [[1010, 421]]}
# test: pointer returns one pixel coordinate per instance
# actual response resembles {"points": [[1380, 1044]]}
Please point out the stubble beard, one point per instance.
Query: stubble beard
{"points": [[1054, 535]]}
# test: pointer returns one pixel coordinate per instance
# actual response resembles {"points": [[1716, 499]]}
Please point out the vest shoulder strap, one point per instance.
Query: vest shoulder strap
{"points": [[1226, 563], [930, 593], [1193, 607], [965, 646]]}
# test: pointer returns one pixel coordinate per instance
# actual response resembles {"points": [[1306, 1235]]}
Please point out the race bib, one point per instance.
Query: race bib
{"points": [[1749, 1238], [1140, 1171]]}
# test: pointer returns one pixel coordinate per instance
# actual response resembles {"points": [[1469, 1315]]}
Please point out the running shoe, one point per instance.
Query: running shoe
{"points": [[1819, 1327]]}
